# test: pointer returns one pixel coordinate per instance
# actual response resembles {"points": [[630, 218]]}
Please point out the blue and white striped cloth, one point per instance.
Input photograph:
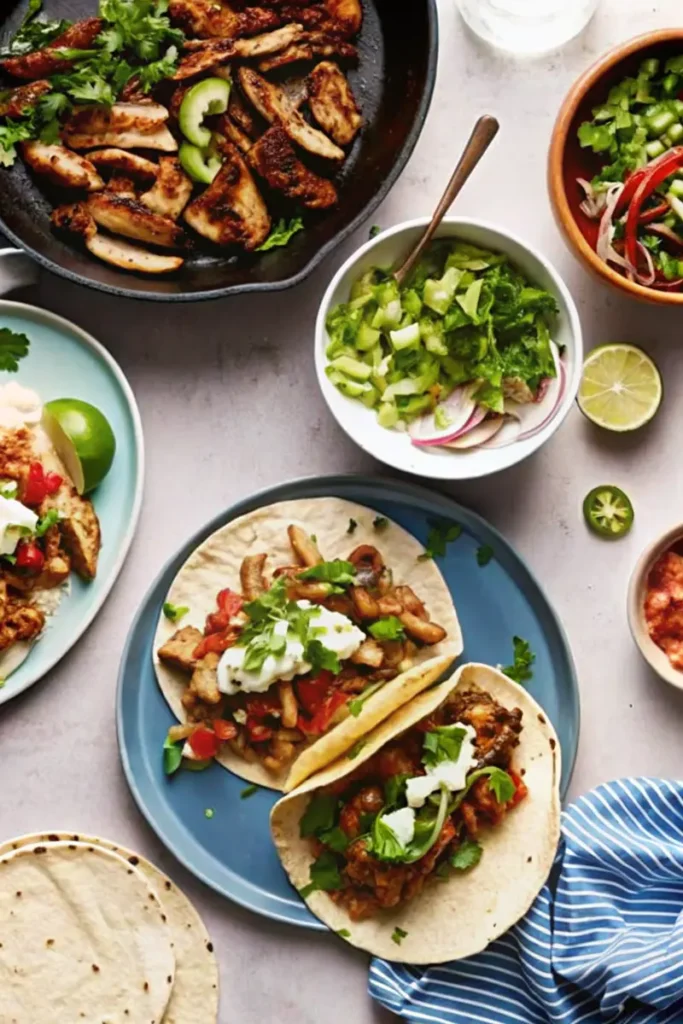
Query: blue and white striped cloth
{"points": [[603, 941]]}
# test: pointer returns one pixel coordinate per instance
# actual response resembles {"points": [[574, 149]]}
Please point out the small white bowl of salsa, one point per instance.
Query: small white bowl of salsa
{"points": [[655, 606]]}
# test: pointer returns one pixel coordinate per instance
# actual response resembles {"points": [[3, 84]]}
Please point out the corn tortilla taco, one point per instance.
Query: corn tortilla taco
{"points": [[292, 632], [436, 837]]}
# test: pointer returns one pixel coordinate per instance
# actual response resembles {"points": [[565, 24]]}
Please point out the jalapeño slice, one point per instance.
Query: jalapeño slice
{"points": [[608, 511]]}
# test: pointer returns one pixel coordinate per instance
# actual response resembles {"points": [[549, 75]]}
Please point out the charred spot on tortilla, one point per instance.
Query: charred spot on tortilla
{"points": [[552, 743], [541, 719]]}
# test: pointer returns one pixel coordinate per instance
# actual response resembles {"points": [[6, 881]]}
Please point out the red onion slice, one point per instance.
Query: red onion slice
{"points": [[477, 436], [459, 407]]}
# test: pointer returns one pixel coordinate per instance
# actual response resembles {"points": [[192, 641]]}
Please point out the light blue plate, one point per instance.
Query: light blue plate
{"points": [[65, 362], [232, 851]]}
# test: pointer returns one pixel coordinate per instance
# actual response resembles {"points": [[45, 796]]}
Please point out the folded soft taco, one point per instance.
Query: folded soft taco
{"points": [[293, 631], [435, 837]]}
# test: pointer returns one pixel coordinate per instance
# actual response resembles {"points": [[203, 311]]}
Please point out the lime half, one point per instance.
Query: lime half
{"points": [[83, 439], [621, 388]]}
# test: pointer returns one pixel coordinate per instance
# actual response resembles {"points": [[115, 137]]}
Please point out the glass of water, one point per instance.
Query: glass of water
{"points": [[527, 27]]}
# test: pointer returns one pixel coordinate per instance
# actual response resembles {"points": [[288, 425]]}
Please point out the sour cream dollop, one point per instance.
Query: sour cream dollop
{"points": [[19, 406], [336, 632], [14, 519], [402, 824], [452, 773]]}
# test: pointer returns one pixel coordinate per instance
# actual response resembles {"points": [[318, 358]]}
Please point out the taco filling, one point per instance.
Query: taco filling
{"points": [[417, 808], [290, 655]]}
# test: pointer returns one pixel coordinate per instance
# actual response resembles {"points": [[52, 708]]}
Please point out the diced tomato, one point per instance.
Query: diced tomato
{"points": [[216, 642], [320, 722], [230, 602], [29, 556], [261, 707], [204, 743], [520, 789], [258, 732], [312, 692], [224, 730], [53, 481], [34, 488], [216, 622]]}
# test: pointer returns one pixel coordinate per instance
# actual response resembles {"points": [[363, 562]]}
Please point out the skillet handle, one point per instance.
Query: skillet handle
{"points": [[17, 270]]}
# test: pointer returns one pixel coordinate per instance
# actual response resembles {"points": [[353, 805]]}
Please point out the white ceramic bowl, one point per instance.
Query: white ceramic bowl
{"points": [[393, 447], [654, 655]]}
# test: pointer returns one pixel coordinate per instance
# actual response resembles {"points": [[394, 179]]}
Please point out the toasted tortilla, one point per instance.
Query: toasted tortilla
{"points": [[459, 917], [215, 564], [84, 938], [194, 999]]}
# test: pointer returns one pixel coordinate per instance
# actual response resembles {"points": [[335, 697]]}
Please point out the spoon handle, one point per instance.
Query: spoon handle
{"points": [[479, 141]]}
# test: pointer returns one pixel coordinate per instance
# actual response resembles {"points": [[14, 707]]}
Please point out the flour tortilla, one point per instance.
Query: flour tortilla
{"points": [[457, 918], [84, 938], [215, 564], [194, 999]]}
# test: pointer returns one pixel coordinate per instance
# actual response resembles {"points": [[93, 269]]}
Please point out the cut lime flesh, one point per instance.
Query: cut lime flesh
{"points": [[621, 388], [83, 439]]}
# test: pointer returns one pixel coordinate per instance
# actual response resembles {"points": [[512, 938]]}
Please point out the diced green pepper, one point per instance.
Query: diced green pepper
{"points": [[198, 163], [387, 415], [352, 368], [367, 337], [207, 97], [406, 337]]}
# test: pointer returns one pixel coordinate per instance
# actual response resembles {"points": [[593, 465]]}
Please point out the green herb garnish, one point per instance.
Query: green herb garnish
{"points": [[374, 231], [324, 875], [337, 572], [9, 489], [467, 855], [388, 628], [174, 612], [440, 535], [443, 743], [247, 792], [380, 523], [355, 706], [13, 346], [343, 933], [51, 517], [524, 658], [34, 32], [398, 935], [173, 756], [319, 816], [356, 749], [281, 234], [484, 554], [352, 527], [209, 812]]}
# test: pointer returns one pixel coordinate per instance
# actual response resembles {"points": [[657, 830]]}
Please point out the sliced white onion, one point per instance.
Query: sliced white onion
{"points": [[648, 278], [594, 202], [459, 407], [477, 435], [604, 248], [506, 434]]}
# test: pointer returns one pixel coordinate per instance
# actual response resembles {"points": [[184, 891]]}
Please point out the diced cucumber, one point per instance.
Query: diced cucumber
{"points": [[415, 405], [658, 123], [387, 415], [402, 389], [649, 67], [370, 397], [676, 204], [655, 148], [354, 388], [676, 187], [406, 337], [675, 132], [367, 337], [352, 367], [388, 316], [670, 84], [438, 294], [363, 286]]}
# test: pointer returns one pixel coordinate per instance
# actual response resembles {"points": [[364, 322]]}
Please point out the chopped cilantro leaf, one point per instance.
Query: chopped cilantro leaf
{"points": [[352, 527], [51, 517], [13, 346], [174, 612], [247, 792], [388, 628], [356, 749], [338, 572], [324, 875], [443, 743], [34, 32], [343, 933], [380, 522], [500, 784], [172, 756], [398, 935], [467, 855], [355, 706], [374, 231], [209, 812], [440, 535], [281, 233], [319, 816], [321, 658], [484, 554], [524, 658]]}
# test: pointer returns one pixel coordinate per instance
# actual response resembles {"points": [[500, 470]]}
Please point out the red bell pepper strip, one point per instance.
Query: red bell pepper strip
{"points": [[320, 722], [656, 173], [647, 216], [230, 602], [632, 182], [204, 743]]}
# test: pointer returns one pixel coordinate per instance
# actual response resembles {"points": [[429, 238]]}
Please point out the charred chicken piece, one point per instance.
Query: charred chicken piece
{"points": [[311, 45], [244, 116], [120, 185], [272, 103], [204, 680], [233, 133], [74, 219], [131, 257], [208, 19], [171, 191], [421, 629], [43, 63], [251, 576], [209, 55], [22, 99], [20, 622], [80, 529], [274, 159], [129, 164], [121, 117], [128, 217], [303, 546], [497, 728], [61, 166], [333, 104], [159, 139], [231, 210], [178, 651]]}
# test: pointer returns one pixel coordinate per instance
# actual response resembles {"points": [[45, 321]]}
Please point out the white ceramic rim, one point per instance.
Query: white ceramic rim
{"points": [[457, 467], [106, 357], [653, 655]]}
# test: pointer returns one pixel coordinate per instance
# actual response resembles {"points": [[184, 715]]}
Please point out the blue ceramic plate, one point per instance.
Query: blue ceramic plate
{"points": [[65, 362], [232, 851]]}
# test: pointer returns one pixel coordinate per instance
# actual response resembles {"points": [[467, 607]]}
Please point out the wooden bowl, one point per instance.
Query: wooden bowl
{"points": [[654, 655], [567, 161]]}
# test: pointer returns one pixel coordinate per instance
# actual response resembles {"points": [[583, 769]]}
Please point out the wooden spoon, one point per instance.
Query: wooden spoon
{"points": [[479, 141]]}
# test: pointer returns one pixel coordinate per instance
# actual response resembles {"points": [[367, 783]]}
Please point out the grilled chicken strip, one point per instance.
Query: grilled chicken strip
{"points": [[23, 98], [170, 193], [333, 104], [160, 139], [229, 130], [80, 529], [130, 218], [74, 219], [120, 185], [128, 163], [140, 117], [20, 622], [244, 116], [215, 19], [272, 103], [131, 257], [317, 44], [273, 157], [231, 210], [178, 651], [342, 17], [61, 166], [211, 54], [43, 63]]}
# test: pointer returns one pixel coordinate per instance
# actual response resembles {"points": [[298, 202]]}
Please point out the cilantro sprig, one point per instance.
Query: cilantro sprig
{"points": [[13, 346], [440, 535], [523, 659]]}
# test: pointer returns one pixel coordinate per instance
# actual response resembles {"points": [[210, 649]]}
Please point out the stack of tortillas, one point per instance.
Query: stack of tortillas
{"points": [[91, 933]]}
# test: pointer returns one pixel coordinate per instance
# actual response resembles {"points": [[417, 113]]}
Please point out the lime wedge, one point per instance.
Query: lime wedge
{"points": [[620, 389], [83, 439]]}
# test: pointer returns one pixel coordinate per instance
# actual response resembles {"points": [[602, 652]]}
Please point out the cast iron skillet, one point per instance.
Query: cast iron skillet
{"points": [[393, 82]]}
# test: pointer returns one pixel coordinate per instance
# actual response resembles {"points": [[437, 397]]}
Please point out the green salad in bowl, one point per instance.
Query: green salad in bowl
{"points": [[460, 357]]}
